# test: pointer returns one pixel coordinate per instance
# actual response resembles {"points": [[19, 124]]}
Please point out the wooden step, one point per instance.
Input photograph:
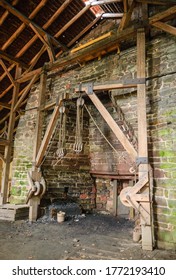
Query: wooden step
{"points": [[13, 212]]}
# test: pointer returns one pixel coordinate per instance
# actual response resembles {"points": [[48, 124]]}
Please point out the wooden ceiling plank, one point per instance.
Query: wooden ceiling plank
{"points": [[7, 72], [69, 23], [126, 17], [165, 27], [12, 59], [88, 27], [22, 26], [6, 13], [23, 18], [57, 13]]}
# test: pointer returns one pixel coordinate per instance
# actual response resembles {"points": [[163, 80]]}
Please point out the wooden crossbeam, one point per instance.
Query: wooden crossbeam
{"points": [[47, 136], [6, 90], [25, 92], [4, 142], [114, 126], [127, 16], [22, 26], [163, 15], [2, 158], [165, 27], [12, 59], [24, 19], [7, 72], [5, 105]]}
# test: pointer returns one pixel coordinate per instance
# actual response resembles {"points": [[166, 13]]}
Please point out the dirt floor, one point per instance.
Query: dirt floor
{"points": [[82, 236]]}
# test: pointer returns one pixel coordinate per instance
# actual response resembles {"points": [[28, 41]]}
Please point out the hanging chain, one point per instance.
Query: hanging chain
{"points": [[61, 144], [78, 145]]}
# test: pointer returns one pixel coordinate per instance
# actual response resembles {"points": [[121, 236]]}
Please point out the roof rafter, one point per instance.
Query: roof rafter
{"points": [[7, 72], [22, 26], [157, 2], [25, 19], [165, 27], [12, 59], [6, 13]]}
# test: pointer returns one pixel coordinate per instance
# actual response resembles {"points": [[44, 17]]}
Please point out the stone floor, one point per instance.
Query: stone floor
{"points": [[79, 237]]}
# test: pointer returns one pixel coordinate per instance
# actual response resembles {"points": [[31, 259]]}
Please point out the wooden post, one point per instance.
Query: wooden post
{"points": [[36, 175], [147, 238], [8, 148], [115, 199]]}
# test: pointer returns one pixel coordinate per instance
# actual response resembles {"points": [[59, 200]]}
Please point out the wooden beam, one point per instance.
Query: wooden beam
{"points": [[40, 114], [127, 16], [5, 105], [22, 26], [68, 24], [103, 2], [157, 2], [25, 92], [6, 90], [147, 235], [9, 69], [6, 13], [8, 149], [7, 72], [88, 27], [114, 126], [46, 139], [50, 49], [165, 27], [29, 75], [163, 15], [24, 19], [12, 59]]}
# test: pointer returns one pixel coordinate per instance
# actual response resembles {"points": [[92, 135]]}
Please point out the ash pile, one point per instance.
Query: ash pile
{"points": [[72, 211]]}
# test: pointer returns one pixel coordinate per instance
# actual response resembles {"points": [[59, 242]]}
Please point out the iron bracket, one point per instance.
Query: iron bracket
{"points": [[90, 88], [141, 160]]}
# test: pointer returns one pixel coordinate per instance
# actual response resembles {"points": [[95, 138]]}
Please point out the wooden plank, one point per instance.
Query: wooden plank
{"points": [[126, 17], [47, 136], [29, 76], [147, 238], [114, 126], [8, 149], [165, 27]]}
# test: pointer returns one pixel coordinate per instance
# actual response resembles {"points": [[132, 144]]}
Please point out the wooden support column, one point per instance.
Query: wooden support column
{"points": [[115, 198], [146, 226], [8, 148]]}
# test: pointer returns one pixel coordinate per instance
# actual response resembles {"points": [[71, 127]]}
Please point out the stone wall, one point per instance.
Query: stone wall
{"points": [[161, 114]]}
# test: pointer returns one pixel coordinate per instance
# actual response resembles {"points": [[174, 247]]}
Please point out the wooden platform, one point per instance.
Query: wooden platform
{"points": [[13, 212]]}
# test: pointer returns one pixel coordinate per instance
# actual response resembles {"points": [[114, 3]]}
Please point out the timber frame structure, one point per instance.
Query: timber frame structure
{"points": [[19, 75]]}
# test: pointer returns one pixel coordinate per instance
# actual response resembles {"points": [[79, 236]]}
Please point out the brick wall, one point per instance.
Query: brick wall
{"points": [[161, 114]]}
